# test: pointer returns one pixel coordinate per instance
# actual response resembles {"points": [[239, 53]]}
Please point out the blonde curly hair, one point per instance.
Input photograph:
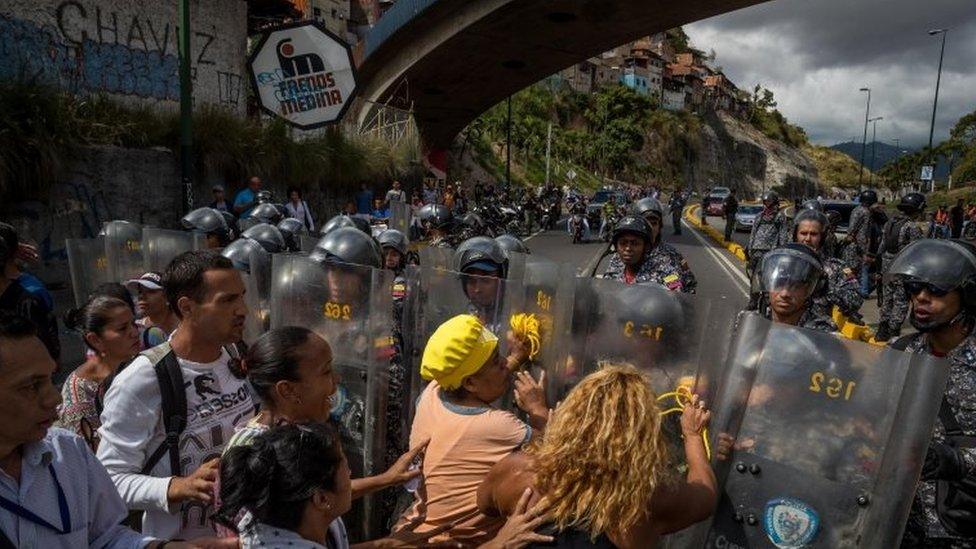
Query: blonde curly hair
{"points": [[603, 454]]}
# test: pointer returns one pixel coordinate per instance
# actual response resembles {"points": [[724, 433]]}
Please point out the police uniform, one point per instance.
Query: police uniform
{"points": [[859, 232], [923, 521], [770, 231], [894, 300], [810, 319], [842, 289], [664, 265]]}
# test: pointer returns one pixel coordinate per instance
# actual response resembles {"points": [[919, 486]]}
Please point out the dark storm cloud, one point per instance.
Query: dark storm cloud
{"points": [[815, 55]]}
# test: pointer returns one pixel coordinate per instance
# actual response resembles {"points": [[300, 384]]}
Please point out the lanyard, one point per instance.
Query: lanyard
{"points": [[26, 514]]}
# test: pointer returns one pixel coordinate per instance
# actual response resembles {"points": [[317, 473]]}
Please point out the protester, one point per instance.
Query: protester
{"points": [[220, 202], [14, 299], [609, 424], [108, 329], [55, 493], [247, 198], [156, 320], [171, 478], [430, 193], [298, 209], [395, 194], [467, 434], [379, 211], [364, 200]]}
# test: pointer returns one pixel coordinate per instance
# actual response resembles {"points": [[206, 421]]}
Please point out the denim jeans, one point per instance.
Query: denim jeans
{"points": [[865, 280]]}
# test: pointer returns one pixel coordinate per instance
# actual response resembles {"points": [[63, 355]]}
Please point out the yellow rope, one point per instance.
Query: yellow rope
{"points": [[526, 328], [682, 397]]}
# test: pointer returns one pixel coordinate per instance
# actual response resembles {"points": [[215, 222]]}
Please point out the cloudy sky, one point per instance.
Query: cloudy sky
{"points": [[815, 55]]}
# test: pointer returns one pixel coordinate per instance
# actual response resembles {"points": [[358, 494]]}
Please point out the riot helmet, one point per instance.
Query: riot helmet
{"points": [[511, 243], [794, 267], [343, 220], [264, 196], [291, 229], [435, 216], [649, 206], [481, 253], [232, 225], [868, 197], [940, 266], [812, 204], [912, 203], [770, 199], [653, 320], [633, 225], [348, 245], [209, 222], [246, 254], [266, 213], [392, 238], [268, 236]]}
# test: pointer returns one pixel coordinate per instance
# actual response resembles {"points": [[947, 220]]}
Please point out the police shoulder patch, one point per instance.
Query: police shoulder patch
{"points": [[790, 523]]}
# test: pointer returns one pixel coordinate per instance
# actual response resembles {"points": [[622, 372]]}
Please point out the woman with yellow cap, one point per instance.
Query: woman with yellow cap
{"points": [[467, 434]]}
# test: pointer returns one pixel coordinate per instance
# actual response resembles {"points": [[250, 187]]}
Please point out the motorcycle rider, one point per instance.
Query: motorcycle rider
{"points": [[676, 206], [858, 240], [841, 286], [769, 231], [529, 206], [789, 278], [578, 208], [609, 217], [940, 278], [437, 221], [664, 257], [900, 231]]}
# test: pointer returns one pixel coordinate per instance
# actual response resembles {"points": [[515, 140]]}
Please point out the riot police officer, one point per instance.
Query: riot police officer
{"points": [[841, 284], [663, 256], [292, 230], [789, 278], [343, 220], [437, 221], [483, 265], [858, 240], [900, 231], [633, 262], [511, 243], [939, 276], [210, 222], [768, 232], [676, 205], [268, 236]]}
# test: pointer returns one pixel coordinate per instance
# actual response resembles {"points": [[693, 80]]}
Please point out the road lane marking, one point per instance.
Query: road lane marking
{"points": [[594, 262], [741, 280]]}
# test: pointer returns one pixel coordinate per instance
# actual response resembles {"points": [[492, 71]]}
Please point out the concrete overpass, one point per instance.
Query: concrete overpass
{"points": [[454, 59]]}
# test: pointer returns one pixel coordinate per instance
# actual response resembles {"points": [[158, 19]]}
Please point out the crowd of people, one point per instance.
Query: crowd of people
{"points": [[195, 419]]}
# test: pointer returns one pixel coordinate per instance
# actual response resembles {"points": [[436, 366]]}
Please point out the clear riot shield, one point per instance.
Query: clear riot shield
{"points": [[87, 264], [257, 285], [549, 289], [123, 248], [437, 257], [351, 307], [400, 216], [308, 242], [160, 246], [830, 437]]}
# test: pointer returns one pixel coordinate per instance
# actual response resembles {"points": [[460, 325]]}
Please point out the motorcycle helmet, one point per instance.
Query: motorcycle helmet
{"points": [[633, 225], [868, 197], [649, 206], [343, 220], [348, 245], [812, 204], [268, 236], [266, 213], [511, 243], [207, 221], [481, 253], [435, 216], [912, 203]]}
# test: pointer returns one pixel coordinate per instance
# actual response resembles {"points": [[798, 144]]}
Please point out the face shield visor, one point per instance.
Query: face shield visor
{"points": [[790, 270]]}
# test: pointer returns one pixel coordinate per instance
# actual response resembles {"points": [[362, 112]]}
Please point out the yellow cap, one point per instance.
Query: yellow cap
{"points": [[456, 350]]}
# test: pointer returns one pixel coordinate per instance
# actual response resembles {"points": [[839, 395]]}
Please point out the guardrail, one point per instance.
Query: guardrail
{"points": [[848, 328]]}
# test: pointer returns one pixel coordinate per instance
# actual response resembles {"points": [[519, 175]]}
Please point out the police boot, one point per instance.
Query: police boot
{"points": [[883, 334]]}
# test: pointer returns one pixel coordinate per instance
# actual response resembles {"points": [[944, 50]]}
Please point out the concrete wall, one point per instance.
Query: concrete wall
{"points": [[127, 48]]}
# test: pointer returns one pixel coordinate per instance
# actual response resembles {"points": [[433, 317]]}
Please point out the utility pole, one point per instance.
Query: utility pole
{"points": [[186, 108], [864, 141], [874, 143], [935, 103], [508, 147], [548, 151]]}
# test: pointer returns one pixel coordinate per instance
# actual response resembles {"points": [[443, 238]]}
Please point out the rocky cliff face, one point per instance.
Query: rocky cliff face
{"points": [[732, 153]]}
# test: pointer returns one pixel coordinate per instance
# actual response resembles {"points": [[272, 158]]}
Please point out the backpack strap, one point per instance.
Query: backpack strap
{"points": [[172, 393]]}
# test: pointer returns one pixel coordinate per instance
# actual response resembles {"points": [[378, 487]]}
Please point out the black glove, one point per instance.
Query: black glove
{"points": [[942, 462]]}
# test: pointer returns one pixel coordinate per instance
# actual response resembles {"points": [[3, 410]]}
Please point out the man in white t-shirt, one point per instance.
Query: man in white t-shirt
{"points": [[207, 293], [396, 193]]}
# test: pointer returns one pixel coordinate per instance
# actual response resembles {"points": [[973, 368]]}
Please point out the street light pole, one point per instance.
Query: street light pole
{"points": [[864, 141], [186, 107], [874, 144], [935, 103]]}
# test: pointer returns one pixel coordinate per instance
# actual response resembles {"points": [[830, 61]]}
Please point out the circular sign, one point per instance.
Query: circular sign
{"points": [[304, 74]]}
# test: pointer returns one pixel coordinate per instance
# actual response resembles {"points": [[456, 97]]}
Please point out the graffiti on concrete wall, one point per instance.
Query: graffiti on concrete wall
{"points": [[91, 47]]}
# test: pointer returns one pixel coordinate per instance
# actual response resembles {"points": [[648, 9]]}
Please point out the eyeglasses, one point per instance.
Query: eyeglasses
{"points": [[915, 287]]}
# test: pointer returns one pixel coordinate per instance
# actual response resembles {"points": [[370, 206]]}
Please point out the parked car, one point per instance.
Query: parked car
{"points": [[721, 192], [844, 208], [714, 206], [746, 216]]}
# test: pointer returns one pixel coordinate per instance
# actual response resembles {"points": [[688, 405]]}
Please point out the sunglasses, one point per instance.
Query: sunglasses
{"points": [[915, 287]]}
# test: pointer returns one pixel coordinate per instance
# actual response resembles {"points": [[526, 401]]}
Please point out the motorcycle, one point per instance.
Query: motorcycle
{"points": [[576, 223], [606, 231]]}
